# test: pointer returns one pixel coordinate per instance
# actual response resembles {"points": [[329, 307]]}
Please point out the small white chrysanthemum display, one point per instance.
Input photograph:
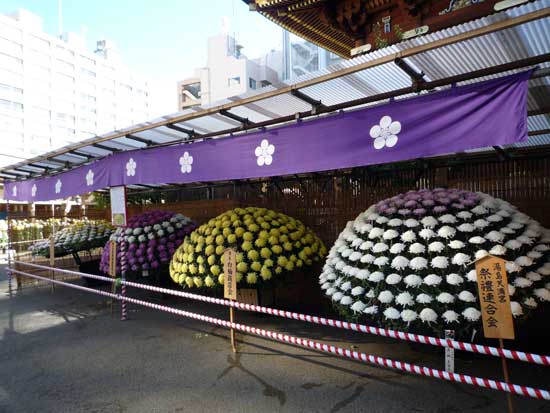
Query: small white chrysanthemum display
{"points": [[408, 261]]}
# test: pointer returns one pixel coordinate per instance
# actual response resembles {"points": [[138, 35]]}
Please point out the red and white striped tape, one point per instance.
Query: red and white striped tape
{"points": [[326, 348], [27, 241], [398, 335], [66, 284]]}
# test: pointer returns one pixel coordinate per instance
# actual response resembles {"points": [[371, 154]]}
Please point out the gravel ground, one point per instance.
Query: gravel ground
{"points": [[63, 352]]}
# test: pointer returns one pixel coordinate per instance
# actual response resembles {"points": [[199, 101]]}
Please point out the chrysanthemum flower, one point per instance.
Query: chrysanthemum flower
{"points": [[471, 314], [450, 316], [385, 297], [424, 298], [391, 313], [466, 296], [428, 315]]}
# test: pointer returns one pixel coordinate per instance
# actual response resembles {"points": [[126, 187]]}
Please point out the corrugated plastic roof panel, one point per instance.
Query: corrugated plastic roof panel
{"points": [[510, 45]]}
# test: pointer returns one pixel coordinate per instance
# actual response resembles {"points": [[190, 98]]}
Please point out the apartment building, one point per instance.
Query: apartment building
{"points": [[53, 91], [228, 72]]}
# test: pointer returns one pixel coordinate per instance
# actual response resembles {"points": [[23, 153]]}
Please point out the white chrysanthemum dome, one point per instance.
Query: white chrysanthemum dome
{"points": [[413, 256]]}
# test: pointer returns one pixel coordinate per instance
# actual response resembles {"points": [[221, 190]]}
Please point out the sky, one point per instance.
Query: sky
{"points": [[162, 39]]}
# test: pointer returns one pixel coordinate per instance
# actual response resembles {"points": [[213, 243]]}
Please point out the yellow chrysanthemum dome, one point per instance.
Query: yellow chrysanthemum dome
{"points": [[268, 243]]}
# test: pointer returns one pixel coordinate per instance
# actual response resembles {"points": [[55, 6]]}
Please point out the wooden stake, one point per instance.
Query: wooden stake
{"points": [[52, 260], [232, 332], [506, 378]]}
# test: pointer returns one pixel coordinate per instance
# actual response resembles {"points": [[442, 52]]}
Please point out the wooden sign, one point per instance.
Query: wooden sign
{"points": [[112, 258], [248, 296], [230, 274], [417, 31], [52, 256], [492, 284]]}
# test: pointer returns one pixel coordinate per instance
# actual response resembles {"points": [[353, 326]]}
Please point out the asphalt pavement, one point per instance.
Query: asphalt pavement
{"points": [[62, 351]]}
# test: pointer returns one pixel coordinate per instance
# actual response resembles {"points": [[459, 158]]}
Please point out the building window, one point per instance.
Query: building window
{"points": [[64, 118], [39, 43], [12, 89], [126, 88], [9, 32], [87, 73], [12, 139], [40, 114], [11, 77], [64, 53], [11, 63], [88, 110], [87, 98], [251, 83], [9, 123], [107, 92], [40, 73], [232, 81], [40, 99], [11, 106], [87, 125], [85, 60], [61, 132], [38, 57], [190, 93], [63, 106], [64, 80], [63, 65], [11, 47]]}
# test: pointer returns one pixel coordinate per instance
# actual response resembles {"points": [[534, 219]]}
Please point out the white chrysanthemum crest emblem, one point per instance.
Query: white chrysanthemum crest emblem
{"points": [[58, 186], [186, 163], [385, 134], [264, 153], [90, 178], [33, 190], [131, 167]]}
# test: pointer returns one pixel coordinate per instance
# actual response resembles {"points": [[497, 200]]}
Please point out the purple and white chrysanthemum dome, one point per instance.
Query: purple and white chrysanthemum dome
{"points": [[408, 261], [150, 239]]}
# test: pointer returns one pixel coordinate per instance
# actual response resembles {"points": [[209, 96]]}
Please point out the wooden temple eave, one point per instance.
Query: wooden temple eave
{"points": [[341, 26]]}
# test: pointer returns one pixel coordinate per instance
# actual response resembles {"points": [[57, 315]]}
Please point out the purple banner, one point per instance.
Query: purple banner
{"points": [[479, 115]]}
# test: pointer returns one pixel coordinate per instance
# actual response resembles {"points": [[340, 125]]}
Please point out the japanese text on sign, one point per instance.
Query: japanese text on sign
{"points": [[112, 258], [230, 274], [492, 286]]}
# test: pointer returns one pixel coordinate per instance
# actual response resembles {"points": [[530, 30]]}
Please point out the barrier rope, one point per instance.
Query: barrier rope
{"points": [[398, 335], [27, 241], [326, 348]]}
